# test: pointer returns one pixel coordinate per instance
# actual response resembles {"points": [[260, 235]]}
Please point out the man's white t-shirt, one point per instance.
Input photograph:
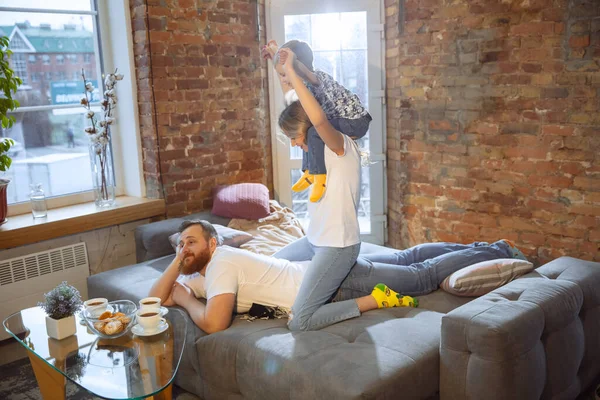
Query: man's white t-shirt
{"points": [[253, 277], [333, 219]]}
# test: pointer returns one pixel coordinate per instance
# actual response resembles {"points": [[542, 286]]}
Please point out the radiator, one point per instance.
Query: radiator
{"points": [[25, 279]]}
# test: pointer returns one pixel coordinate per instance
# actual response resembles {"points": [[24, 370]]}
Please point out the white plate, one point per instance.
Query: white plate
{"points": [[139, 331]]}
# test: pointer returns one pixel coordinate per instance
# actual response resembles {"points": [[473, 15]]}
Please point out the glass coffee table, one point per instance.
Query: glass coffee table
{"points": [[129, 367]]}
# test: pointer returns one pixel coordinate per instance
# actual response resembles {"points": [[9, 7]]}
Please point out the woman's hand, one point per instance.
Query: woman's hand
{"points": [[287, 58]]}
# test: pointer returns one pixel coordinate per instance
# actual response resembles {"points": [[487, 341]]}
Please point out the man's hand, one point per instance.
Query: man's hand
{"points": [[181, 294], [180, 256], [268, 52]]}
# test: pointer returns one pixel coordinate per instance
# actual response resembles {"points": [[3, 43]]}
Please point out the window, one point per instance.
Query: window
{"points": [[50, 110], [87, 58], [19, 65], [347, 44]]}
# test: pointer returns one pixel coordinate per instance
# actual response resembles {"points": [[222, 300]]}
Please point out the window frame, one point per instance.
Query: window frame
{"points": [[108, 43]]}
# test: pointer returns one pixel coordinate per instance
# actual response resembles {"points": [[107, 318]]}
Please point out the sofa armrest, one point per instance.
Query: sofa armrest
{"points": [[534, 338]]}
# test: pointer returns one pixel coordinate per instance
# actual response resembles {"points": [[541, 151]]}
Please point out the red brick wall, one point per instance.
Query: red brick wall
{"points": [[494, 124], [202, 97]]}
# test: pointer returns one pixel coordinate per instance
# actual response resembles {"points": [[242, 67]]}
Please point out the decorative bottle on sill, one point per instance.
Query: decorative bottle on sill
{"points": [[103, 177], [38, 201]]}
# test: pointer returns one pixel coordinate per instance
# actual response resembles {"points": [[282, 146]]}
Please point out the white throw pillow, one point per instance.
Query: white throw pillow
{"points": [[481, 278], [227, 236]]}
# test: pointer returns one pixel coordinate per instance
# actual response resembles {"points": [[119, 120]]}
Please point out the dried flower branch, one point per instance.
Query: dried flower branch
{"points": [[99, 130]]}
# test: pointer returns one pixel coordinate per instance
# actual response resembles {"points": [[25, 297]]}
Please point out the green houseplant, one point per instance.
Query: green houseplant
{"points": [[8, 85], [60, 306]]}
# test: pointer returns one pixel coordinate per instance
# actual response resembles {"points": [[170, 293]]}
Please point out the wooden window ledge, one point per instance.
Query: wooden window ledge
{"points": [[23, 229]]}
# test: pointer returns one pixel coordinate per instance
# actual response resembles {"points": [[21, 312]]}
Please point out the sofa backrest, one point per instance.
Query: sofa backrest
{"points": [[152, 240]]}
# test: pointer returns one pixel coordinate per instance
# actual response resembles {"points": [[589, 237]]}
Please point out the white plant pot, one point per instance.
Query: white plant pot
{"points": [[61, 328]]}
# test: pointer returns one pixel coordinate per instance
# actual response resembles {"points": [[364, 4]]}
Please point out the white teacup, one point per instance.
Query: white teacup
{"points": [[150, 303], [96, 306], [149, 319]]}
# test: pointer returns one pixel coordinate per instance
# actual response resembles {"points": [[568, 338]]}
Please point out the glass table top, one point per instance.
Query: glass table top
{"points": [[129, 367]]}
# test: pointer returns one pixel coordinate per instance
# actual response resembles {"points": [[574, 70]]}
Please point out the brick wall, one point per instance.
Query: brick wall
{"points": [[494, 124], [202, 97]]}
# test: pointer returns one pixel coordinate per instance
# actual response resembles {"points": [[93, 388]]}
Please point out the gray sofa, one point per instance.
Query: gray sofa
{"points": [[535, 338]]}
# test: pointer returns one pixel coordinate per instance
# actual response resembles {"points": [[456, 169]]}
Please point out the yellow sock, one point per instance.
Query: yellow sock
{"points": [[318, 189], [386, 298], [304, 182]]}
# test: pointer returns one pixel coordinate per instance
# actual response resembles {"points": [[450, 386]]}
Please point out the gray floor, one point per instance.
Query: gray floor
{"points": [[11, 351]]}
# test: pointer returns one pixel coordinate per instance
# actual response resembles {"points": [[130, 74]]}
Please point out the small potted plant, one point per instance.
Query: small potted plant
{"points": [[8, 85], [60, 306]]}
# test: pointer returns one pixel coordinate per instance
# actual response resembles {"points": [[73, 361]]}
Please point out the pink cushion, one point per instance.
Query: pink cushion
{"points": [[243, 200], [481, 278]]}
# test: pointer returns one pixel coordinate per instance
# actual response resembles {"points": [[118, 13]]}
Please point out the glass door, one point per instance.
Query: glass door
{"points": [[346, 38]]}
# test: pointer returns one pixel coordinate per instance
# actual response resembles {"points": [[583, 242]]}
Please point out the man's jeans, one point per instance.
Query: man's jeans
{"points": [[416, 271], [314, 159], [328, 268]]}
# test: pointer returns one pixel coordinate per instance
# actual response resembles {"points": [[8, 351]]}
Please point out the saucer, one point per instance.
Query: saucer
{"points": [[139, 331]]}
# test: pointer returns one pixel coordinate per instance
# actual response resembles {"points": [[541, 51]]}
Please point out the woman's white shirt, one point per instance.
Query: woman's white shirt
{"points": [[334, 219]]}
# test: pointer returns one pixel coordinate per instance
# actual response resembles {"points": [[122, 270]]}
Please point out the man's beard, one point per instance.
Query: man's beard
{"points": [[196, 264]]}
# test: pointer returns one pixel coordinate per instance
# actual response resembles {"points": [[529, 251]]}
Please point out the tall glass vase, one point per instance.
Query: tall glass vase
{"points": [[103, 177]]}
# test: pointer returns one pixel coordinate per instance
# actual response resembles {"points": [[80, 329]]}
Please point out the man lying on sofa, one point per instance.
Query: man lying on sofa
{"points": [[233, 279]]}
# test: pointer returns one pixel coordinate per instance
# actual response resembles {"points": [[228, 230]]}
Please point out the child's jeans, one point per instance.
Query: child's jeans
{"points": [[416, 271], [314, 159]]}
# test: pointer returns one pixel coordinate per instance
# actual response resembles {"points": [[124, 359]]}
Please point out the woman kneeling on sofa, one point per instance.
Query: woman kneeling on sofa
{"points": [[232, 279]]}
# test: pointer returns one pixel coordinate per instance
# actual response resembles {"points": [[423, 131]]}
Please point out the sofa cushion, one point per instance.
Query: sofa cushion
{"points": [[152, 240], [442, 301], [242, 200], [227, 237], [381, 354]]}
